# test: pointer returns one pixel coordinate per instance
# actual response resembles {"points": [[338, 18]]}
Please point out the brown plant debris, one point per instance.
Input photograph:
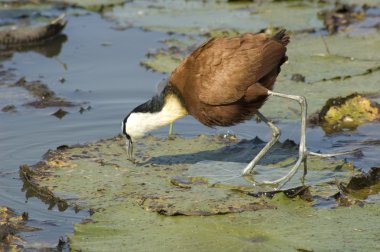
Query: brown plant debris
{"points": [[45, 96], [363, 180], [10, 225], [9, 108], [342, 16]]}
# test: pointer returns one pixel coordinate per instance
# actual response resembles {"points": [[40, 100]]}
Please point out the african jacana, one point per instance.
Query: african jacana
{"points": [[223, 82]]}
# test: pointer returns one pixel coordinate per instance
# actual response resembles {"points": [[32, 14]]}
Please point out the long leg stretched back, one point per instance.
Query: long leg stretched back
{"points": [[275, 136], [302, 146], [303, 152]]}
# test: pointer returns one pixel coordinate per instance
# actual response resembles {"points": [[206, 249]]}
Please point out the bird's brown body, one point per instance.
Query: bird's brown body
{"points": [[225, 80]]}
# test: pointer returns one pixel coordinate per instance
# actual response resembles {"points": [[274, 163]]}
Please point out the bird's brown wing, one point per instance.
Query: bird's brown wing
{"points": [[222, 69]]}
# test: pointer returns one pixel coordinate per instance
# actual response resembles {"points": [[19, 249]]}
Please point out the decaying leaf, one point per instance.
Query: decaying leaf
{"points": [[45, 97], [348, 113], [10, 225]]}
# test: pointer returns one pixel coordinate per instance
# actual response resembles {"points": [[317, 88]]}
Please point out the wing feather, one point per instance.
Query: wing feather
{"points": [[221, 70]]}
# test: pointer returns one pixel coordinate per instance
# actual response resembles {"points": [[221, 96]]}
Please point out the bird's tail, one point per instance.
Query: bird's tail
{"points": [[282, 37]]}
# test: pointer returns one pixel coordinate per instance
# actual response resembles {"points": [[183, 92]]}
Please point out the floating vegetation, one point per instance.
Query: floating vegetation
{"points": [[343, 15], [9, 108], [177, 177], [45, 96], [349, 112], [10, 225]]}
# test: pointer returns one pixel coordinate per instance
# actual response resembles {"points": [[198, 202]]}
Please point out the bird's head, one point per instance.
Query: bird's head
{"points": [[160, 110], [133, 128]]}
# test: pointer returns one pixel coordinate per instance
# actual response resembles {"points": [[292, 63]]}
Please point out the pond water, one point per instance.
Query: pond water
{"points": [[101, 69]]}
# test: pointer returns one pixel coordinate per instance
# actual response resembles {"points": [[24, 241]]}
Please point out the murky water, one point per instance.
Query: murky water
{"points": [[101, 69]]}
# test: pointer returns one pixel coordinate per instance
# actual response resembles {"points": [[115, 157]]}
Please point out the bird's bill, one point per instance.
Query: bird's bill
{"points": [[129, 145]]}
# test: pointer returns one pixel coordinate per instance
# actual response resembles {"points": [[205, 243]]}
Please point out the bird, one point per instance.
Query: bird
{"points": [[223, 82]]}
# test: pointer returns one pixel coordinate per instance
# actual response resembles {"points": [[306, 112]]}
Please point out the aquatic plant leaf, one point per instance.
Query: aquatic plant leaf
{"points": [[178, 176], [130, 202], [173, 16], [293, 225]]}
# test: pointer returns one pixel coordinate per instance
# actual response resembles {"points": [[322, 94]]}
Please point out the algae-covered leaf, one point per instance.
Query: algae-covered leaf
{"points": [[292, 226], [131, 202], [161, 62], [348, 113], [349, 56], [205, 16], [92, 5], [177, 176]]}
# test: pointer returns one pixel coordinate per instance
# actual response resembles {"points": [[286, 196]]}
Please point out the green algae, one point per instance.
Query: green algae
{"points": [[348, 113]]}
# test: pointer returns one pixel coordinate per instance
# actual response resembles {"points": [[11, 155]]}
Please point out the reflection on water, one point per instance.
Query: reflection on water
{"points": [[50, 48], [111, 80]]}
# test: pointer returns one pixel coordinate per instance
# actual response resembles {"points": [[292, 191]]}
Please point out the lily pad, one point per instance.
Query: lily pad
{"points": [[189, 178], [94, 5], [209, 166], [201, 16], [292, 226]]}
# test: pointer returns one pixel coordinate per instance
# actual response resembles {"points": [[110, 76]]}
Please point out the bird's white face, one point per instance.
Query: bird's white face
{"points": [[138, 124]]}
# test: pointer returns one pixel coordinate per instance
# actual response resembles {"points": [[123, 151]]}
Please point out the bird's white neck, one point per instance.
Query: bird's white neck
{"points": [[139, 123]]}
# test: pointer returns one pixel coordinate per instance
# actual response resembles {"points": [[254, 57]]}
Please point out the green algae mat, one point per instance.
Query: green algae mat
{"points": [[185, 194]]}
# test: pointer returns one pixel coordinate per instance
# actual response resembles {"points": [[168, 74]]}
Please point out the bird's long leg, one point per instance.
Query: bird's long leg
{"points": [[302, 146], [275, 136], [326, 155], [170, 129], [303, 152]]}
